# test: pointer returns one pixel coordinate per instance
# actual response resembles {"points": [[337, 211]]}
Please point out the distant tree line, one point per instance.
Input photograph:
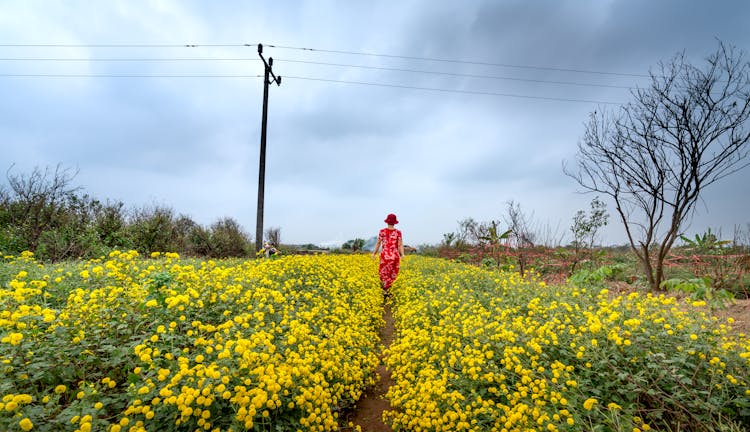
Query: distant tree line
{"points": [[45, 213]]}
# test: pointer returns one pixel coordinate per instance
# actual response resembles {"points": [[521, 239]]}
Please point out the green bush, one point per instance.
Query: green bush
{"points": [[228, 239], [597, 277], [43, 213]]}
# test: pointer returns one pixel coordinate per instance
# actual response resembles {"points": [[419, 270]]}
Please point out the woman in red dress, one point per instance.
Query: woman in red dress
{"points": [[393, 249]]}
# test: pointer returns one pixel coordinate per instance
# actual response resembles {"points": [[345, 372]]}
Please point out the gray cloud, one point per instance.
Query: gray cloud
{"points": [[341, 156]]}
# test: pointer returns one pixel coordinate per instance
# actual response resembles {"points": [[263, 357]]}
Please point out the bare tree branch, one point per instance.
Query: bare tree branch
{"points": [[656, 155]]}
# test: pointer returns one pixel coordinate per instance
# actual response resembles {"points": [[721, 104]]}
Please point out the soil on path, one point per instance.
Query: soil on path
{"points": [[368, 413]]}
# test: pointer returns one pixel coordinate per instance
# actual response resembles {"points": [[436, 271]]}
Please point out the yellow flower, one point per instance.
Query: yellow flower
{"points": [[26, 424], [13, 338], [589, 403]]}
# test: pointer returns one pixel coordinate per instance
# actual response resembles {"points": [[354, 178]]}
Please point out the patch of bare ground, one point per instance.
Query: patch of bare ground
{"points": [[368, 411], [740, 312]]}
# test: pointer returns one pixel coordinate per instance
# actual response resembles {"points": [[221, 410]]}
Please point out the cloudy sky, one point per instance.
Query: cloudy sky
{"points": [[434, 110]]}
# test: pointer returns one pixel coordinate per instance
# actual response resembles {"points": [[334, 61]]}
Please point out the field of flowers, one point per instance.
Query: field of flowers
{"points": [[130, 343], [487, 351], [127, 343]]}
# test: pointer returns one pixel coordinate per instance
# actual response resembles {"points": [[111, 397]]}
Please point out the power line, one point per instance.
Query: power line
{"points": [[320, 50], [443, 60], [123, 45], [363, 83], [443, 90], [454, 74], [126, 59], [127, 76], [345, 65]]}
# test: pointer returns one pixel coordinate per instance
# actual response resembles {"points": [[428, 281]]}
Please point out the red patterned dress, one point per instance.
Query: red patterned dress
{"points": [[390, 260]]}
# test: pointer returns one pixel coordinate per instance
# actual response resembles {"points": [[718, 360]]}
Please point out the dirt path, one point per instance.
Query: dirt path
{"points": [[368, 413]]}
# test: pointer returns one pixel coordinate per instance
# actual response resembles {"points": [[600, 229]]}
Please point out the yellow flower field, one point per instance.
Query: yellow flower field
{"points": [[126, 343], [485, 351], [159, 343]]}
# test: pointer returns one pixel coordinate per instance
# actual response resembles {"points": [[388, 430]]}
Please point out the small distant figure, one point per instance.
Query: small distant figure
{"points": [[269, 249], [393, 250]]}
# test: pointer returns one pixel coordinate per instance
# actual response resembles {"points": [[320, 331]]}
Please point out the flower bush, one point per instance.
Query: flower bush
{"points": [[126, 343], [485, 351]]}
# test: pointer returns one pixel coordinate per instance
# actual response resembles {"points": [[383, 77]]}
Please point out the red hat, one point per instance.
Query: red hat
{"points": [[391, 219]]}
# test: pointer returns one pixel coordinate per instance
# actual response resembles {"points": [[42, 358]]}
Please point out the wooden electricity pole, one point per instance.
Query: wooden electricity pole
{"points": [[262, 168]]}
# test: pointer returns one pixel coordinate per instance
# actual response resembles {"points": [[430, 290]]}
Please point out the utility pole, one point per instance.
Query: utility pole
{"points": [[262, 168]]}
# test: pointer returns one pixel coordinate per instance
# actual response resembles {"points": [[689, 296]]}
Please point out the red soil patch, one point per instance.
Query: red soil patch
{"points": [[368, 413]]}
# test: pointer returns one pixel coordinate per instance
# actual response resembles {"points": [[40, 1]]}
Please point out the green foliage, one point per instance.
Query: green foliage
{"points": [[705, 256], [700, 288], [161, 279], [11, 240], [597, 277], [706, 242], [448, 239], [229, 240], [585, 228], [489, 263], [110, 224], [151, 228], [493, 236], [465, 258], [42, 212], [428, 250], [353, 245]]}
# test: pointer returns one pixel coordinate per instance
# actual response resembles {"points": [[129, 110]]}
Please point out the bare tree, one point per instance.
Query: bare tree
{"points": [[741, 237], [36, 201], [273, 235], [656, 154], [469, 231], [547, 235], [522, 233]]}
